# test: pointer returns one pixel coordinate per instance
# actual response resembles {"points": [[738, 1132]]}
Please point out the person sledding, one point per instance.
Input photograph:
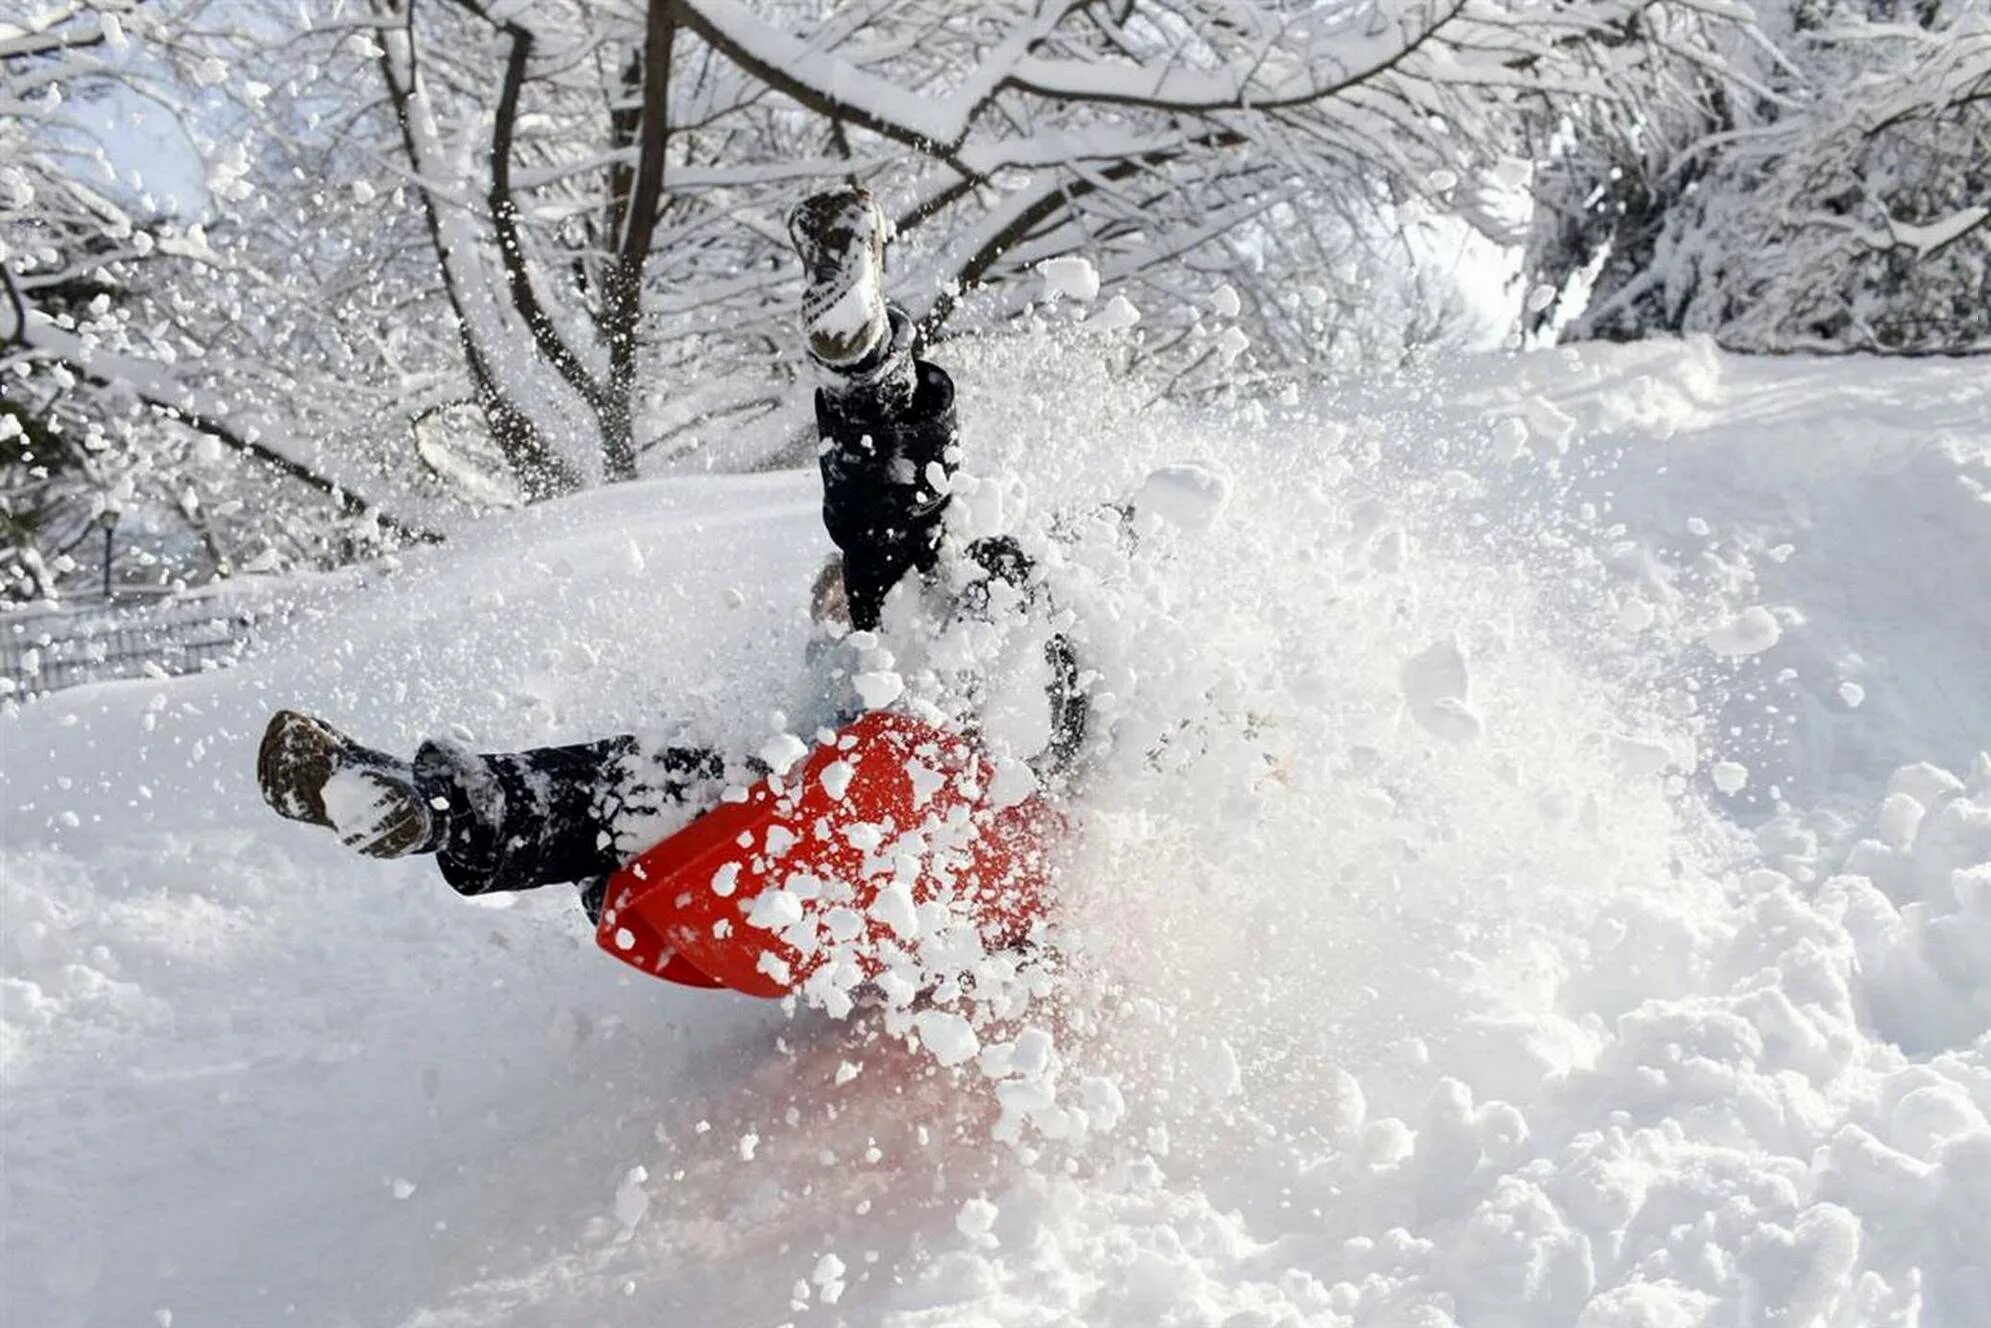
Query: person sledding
{"points": [[749, 863]]}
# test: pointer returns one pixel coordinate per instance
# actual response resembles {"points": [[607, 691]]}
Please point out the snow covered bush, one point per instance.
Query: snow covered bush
{"points": [[1833, 197], [134, 446]]}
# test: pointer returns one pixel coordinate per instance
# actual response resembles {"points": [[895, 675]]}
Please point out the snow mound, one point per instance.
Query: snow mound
{"points": [[1460, 932]]}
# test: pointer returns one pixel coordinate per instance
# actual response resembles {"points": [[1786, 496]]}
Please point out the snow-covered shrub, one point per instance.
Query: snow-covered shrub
{"points": [[146, 433], [1837, 196]]}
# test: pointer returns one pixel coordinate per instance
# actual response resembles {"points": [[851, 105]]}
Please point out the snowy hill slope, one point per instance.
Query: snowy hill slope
{"points": [[1540, 928]]}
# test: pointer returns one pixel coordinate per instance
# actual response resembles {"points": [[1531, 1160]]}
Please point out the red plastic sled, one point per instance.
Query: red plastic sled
{"points": [[850, 851]]}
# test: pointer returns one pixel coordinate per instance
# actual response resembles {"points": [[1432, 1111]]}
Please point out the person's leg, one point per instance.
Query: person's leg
{"points": [[549, 815], [496, 822], [885, 464], [885, 417], [890, 442]]}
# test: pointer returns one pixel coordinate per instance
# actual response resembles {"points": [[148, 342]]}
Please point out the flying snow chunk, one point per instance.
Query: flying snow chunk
{"points": [[878, 688], [1852, 694], [1635, 615], [773, 910], [1510, 436], [976, 1218], [1071, 276], [1103, 1102], [894, 906], [1225, 301], [1436, 686], [836, 778], [782, 751], [1185, 495], [632, 1201], [1548, 422], [1640, 757], [1219, 1071], [1230, 345], [1116, 315], [1014, 781], [1749, 632], [1730, 777], [947, 1035]]}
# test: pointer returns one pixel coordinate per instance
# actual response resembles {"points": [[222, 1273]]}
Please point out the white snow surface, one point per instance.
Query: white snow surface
{"points": [[1424, 956]]}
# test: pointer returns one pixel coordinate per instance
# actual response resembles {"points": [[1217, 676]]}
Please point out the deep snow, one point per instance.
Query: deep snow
{"points": [[1513, 899]]}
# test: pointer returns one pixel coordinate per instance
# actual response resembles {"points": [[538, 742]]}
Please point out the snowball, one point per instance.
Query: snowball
{"points": [[782, 751], [1510, 436], [1634, 615], [1435, 684], [836, 778], [773, 910], [1230, 345], [893, 905], [1852, 694], [1749, 632], [1030, 1054], [1013, 782], [632, 1201], [1900, 816], [1185, 494], [878, 688], [1219, 1070], [1070, 276], [1225, 302], [1548, 422], [1730, 777], [1104, 1105], [1116, 315], [1452, 719], [976, 1218], [947, 1035], [1640, 758]]}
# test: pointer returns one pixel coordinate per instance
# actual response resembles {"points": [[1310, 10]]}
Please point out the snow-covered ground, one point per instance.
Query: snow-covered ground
{"points": [[1573, 905]]}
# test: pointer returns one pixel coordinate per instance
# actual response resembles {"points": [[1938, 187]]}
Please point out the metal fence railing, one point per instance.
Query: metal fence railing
{"points": [[46, 650]]}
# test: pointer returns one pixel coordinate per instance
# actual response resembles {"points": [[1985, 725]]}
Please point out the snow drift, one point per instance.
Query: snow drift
{"points": [[1542, 875]]}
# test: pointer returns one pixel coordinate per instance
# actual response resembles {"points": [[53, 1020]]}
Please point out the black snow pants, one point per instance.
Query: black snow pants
{"points": [[540, 817]]}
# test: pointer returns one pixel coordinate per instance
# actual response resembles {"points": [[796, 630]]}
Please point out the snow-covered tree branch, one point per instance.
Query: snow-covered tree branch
{"points": [[1835, 200]]}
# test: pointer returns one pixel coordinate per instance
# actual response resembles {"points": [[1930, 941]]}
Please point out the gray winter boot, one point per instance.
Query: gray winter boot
{"points": [[840, 236], [311, 772]]}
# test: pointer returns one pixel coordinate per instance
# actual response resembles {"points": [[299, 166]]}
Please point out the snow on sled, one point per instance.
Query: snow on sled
{"points": [[884, 841]]}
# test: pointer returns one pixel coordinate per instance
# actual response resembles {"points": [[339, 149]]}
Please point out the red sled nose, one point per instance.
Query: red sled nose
{"points": [[850, 859]]}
